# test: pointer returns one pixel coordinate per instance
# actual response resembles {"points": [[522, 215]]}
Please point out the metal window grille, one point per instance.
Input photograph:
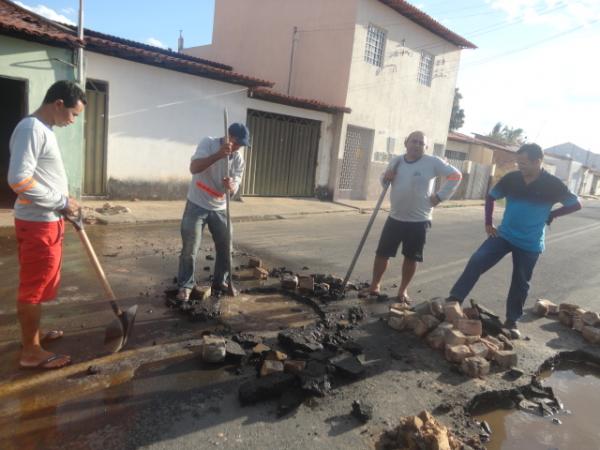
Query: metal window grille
{"points": [[438, 150], [375, 46], [452, 154], [391, 145], [426, 68]]}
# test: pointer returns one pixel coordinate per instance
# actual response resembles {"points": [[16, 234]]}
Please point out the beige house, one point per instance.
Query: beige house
{"points": [[394, 66], [461, 147]]}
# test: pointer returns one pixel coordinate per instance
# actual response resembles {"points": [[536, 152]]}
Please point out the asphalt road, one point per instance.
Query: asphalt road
{"points": [[183, 405], [568, 271]]}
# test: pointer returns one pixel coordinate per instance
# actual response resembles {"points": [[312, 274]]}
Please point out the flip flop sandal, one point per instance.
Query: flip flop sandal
{"points": [[365, 293], [44, 364], [52, 335]]}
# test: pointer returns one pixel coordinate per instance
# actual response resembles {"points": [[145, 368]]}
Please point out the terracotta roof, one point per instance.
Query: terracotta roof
{"points": [[22, 23], [90, 35], [454, 136], [154, 56], [487, 140], [276, 97], [426, 21]]}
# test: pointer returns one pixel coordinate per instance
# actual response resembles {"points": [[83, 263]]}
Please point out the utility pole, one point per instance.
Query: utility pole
{"points": [[294, 39], [80, 71]]}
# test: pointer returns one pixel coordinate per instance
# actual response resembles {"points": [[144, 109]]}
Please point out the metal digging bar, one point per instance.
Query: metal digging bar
{"points": [[366, 233], [230, 288]]}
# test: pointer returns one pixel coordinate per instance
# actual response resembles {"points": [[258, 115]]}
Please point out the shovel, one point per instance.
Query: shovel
{"points": [[230, 289], [119, 330], [366, 233]]}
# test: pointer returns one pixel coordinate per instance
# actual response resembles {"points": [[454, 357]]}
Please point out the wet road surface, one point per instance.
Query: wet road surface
{"points": [[183, 404]]}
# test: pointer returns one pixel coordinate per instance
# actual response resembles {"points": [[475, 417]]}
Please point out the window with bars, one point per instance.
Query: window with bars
{"points": [[426, 68], [375, 46], [453, 154]]}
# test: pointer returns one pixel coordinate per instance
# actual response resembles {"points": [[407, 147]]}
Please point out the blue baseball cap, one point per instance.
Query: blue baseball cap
{"points": [[240, 132]]}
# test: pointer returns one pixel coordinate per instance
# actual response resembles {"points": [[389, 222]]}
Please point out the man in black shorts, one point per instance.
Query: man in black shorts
{"points": [[412, 198]]}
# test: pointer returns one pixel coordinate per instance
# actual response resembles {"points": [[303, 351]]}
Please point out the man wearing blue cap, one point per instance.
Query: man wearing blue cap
{"points": [[206, 205]]}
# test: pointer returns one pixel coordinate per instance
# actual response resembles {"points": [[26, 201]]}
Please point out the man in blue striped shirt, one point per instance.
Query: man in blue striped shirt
{"points": [[530, 194]]}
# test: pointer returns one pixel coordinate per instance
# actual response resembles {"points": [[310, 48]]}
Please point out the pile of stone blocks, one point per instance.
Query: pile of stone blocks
{"points": [[421, 432], [458, 333], [572, 316]]}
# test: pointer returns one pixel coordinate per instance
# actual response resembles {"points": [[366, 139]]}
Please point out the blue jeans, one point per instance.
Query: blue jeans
{"points": [[486, 257], [192, 224]]}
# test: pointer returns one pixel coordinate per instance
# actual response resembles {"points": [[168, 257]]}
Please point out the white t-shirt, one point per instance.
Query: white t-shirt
{"points": [[36, 172], [206, 189]]}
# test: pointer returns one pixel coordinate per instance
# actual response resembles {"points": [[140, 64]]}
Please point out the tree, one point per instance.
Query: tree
{"points": [[507, 135], [457, 119]]}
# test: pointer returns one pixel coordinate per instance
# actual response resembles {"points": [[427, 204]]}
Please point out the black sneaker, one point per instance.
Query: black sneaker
{"points": [[511, 326]]}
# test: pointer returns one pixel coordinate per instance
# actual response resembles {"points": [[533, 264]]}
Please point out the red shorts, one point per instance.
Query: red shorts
{"points": [[40, 259]]}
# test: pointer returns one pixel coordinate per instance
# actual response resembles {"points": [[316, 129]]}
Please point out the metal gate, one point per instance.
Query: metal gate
{"points": [[282, 160], [357, 154], [479, 180], [94, 174]]}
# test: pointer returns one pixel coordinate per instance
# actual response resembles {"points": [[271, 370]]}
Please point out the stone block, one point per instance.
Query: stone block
{"points": [[469, 327], [471, 313], [457, 353], [570, 307], [306, 283], [256, 390], [506, 343], [479, 349], [591, 318], [424, 324], [475, 367], [454, 337], [506, 358], [213, 349], [254, 262], [545, 307], [493, 345], [398, 323], [566, 317], [200, 293], [289, 281], [292, 366], [259, 349], [578, 323], [436, 339], [276, 355], [269, 367], [591, 334], [399, 308], [348, 365], [453, 312], [260, 273]]}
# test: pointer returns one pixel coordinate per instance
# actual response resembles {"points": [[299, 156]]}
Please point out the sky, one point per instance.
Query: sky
{"points": [[536, 66]]}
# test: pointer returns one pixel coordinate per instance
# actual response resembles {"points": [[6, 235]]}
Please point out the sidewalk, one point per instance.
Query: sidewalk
{"points": [[251, 209]]}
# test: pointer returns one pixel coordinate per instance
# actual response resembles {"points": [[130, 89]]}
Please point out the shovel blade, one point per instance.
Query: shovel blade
{"points": [[119, 330]]}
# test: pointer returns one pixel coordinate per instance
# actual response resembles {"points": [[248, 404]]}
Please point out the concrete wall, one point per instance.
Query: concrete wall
{"points": [[158, 116], [255, 37], [475, 152], [40, 67]]}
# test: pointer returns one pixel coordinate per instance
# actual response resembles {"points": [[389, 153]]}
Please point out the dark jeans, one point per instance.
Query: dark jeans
{"points": [[192, 225], [486, 257]]}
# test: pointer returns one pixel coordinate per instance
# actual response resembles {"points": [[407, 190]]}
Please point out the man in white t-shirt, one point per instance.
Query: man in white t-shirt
{"points": [[206, 205], [412, 198]]}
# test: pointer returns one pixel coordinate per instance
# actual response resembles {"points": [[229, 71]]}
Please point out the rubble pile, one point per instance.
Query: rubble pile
{"points": [[298, 364], [421, 432], [467, 337], [572, 316]]}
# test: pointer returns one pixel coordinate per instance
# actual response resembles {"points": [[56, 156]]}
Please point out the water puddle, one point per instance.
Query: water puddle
{"points": [[576, 384]]}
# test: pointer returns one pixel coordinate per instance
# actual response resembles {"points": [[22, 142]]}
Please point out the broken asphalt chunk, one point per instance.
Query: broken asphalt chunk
{"points": [[362, 410], [266, 388]]}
